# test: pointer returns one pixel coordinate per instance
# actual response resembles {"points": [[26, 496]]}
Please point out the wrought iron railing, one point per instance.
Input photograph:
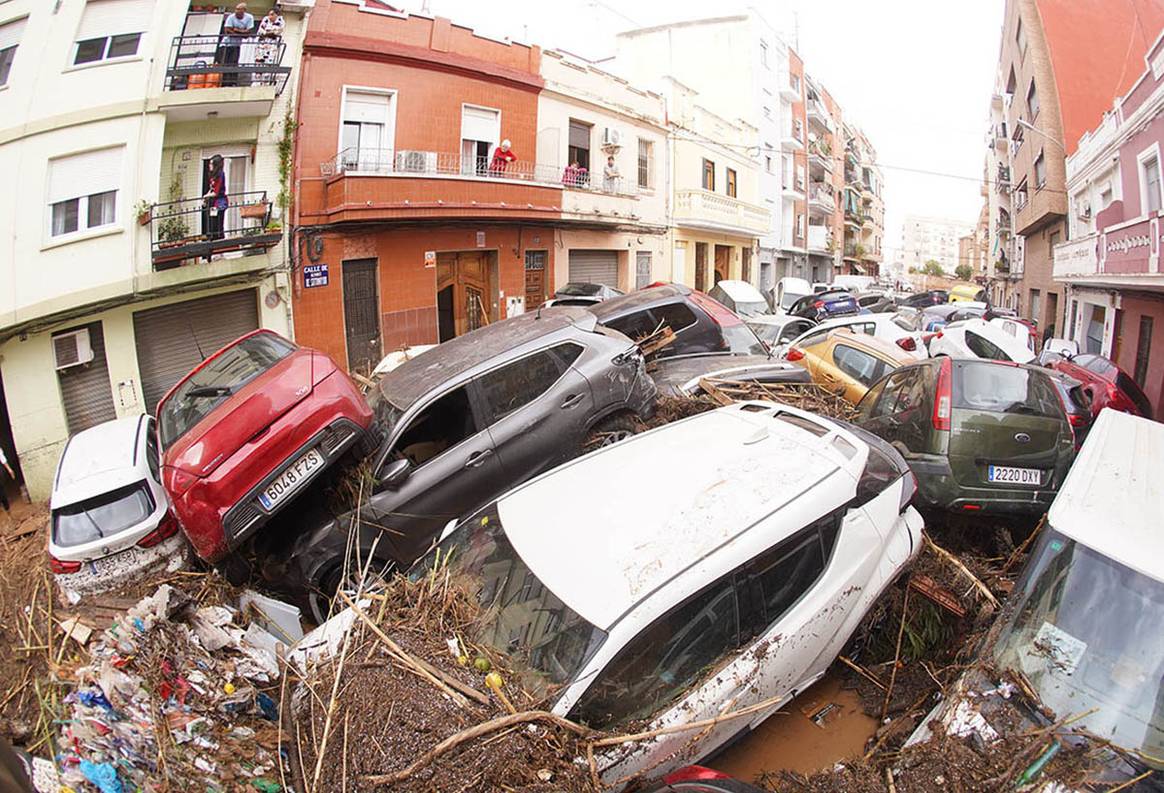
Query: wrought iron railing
{"points": [[226, 61], [192, 228]]}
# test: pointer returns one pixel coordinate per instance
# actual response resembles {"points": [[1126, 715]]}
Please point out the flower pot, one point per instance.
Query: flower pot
{"points": [[144, 218], [253, 210]]}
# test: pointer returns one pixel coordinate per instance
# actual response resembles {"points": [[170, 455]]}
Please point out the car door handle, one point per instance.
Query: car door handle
{"points": [[571, 401], [477, 459]]}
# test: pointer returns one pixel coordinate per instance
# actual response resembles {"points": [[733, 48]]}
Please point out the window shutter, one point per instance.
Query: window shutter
{"points": [[84, 174], [478, 123], [10, 33], [366, 108], [114, 17], [579, 135]]}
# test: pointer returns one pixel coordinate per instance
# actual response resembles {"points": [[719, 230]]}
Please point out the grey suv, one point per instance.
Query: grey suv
{"points": [[476, 416]]}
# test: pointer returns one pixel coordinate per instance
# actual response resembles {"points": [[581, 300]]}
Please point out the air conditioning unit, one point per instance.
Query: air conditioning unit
{"points": [[611, 137], [1084, 210], [416, 161], [72, 349]]}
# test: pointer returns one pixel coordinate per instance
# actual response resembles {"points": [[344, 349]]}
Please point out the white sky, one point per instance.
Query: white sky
{"points": [[915, 75]]}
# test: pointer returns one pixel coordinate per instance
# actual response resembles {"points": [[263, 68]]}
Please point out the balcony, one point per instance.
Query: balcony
{"points": [[386, 184], [1001, 138], [820, 159], [185, 231], [822, 199], [1077, 258], [818, 115], [820, 238], [231, 76], [788, 91], [702, 209], [792, 140], [793, 189]]}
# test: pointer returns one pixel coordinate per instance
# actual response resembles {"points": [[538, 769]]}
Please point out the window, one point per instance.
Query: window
{"points": [[859, 365], [1150, 178], [111, 29], [768, 162], [1011, 84], [786, 573], [9, 39], [1143, 350], [152, 457], [579, 150], [366, 132], [1033, 100], [439, 427], [82, 192], [800, 226], [480, 135], [102, 516], [1020, 196], [798, 129], [1035, 304], [1004, 389], [646, 164], [984, 348], [764, 54], [642, 269], [794, 81], [660, 664], [1020, 37], [516, 384], [1040, 172], [731, 182], [676, 316], [709, 175]]}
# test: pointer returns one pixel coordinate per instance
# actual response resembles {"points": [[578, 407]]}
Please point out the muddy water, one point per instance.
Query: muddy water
{"points": [[821, 727]]}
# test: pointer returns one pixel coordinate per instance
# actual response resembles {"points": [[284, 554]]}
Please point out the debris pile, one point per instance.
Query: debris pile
{"points": [[806, 396], [174, 696]]}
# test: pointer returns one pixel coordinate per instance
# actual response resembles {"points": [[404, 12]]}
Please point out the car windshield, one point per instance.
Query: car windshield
{"points": [[214, 383], [742, 340], [103, 516], [767, 332], [1088, 633], [520, 616], [579, 290], [999, 388], [386, 414], [751, 309]]}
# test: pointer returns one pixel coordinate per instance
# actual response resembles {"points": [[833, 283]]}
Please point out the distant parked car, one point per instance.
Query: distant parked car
{"points": [[933, 297], [967, 309], [1106, 385], [981, 436], [892, 328], [473, 417], [967, 293], [786, 292], [740, 296], [778, 330], [110, 518], [577, 293], [847, 363], [977, 338], [931, 319], [1019, 330], [245, 432], [825, 305], [777, 532], [710, 340], [1083, 626]]}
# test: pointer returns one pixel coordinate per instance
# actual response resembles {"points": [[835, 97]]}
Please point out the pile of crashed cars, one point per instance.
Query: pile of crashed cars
{"points": [[521, 446]]}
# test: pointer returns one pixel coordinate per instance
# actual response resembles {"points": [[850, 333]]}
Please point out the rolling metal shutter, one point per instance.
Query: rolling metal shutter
{"points": [[594, 267], [172, 340], [85, 390]]}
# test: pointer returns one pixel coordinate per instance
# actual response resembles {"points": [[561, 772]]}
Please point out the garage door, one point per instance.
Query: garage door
{"points": [[594, 267], [172, 340]]}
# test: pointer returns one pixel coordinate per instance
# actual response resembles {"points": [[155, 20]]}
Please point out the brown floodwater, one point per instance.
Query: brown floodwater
{"points": [[818, 729]]}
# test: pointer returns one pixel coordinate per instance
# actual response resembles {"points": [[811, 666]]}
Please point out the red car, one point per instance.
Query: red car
{"points": [[1105, 384], [243, 433]]}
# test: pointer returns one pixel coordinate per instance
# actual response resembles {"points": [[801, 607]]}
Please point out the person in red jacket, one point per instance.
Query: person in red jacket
{"points": [[502, 156]]}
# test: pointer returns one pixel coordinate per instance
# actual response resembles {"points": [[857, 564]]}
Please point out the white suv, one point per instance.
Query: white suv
{"points": [[703, 566], [110, 518], [977, 338]]}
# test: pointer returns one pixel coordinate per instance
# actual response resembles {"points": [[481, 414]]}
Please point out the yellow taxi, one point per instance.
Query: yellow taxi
{"points": [[848, 363]]}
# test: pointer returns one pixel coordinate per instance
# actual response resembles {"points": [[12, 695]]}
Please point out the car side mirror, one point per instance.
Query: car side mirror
{"points": [[395, 473]]}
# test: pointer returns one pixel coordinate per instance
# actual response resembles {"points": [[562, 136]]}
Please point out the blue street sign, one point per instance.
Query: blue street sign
{"points": [[314, 275]]}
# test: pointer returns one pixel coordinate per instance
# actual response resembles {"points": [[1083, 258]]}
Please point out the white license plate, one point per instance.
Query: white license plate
{"points": [[1006, 474], [289, 481]]}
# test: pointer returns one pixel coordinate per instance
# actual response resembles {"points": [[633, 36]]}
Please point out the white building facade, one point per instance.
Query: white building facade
{"points": [[926, 238]]}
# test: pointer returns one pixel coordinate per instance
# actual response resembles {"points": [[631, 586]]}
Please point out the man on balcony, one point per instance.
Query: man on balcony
{"points": [[235, 29]]}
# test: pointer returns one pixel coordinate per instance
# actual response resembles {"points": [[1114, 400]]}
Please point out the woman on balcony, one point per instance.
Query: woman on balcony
{"points": [[215, 199], [502, 157], [270, 39]]}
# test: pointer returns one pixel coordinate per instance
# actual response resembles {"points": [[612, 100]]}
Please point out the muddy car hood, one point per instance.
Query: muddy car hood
{"points": [[680, 376]]}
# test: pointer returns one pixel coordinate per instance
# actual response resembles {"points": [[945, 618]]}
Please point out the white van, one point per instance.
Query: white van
{"points": [[854, 283], [788, 291]]}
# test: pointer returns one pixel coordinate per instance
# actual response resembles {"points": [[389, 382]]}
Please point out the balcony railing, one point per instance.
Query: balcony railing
{"points": [[818, 155], [822, 196], [703, 207], [819, 237], [189, 229], [226, 61]]}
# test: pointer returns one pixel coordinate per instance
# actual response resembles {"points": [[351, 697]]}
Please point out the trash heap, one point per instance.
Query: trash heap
{"points": [[174, 697]]}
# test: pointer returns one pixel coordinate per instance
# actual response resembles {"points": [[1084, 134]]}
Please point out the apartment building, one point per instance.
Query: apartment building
{"points": [[927, 239], [1059, 66], [826, 181], [1110, 268], [614, 212], [116, 278], [864, 206]]}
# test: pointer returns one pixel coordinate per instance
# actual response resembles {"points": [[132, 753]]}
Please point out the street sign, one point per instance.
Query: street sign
{"points": [[314, 275]]}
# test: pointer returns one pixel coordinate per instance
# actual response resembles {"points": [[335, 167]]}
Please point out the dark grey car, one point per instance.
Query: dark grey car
{"points": [[476, 416]]}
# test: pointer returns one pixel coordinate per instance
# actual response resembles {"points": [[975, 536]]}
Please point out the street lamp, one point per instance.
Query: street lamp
{"points": [[1022, 122]]}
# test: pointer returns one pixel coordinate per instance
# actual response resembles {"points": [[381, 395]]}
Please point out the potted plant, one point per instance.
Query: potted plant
{"points": [[143, 211]]}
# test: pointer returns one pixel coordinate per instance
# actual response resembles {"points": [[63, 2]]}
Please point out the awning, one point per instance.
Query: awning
{"points": [[860, 270]]}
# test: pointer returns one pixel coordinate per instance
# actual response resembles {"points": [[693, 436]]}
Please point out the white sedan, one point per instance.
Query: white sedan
{"points": [[779, 530], [977, 338], [894, 328]]}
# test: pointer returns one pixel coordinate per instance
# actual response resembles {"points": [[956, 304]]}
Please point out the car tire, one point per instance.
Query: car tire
{"points": [[319, 599], [610, 431]]}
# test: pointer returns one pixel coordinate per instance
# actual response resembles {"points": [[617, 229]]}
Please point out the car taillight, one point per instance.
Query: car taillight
{"points": [[794, 354], [693, 773], [908, 491], [63, 568], [818, 305], [907, 343], [942, 405], [165, 530], [1077, 420]]}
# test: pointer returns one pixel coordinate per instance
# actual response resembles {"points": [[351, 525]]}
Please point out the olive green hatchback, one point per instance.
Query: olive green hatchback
{"points": [[980, 436]]}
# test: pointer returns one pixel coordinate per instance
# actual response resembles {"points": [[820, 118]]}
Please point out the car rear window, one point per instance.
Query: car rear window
{"points": [[1129, 387], [103, 516], [1004, 389], [984, 348], [742, 341], [213, 384]]}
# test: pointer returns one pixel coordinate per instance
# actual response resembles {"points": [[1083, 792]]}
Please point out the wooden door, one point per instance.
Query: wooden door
{"points": [[535, 279], [701, 266], [723, 259], [361, 315], [462, 292]]}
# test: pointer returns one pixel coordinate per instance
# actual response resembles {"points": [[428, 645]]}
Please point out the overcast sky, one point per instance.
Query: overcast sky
{"points": [[916, 75]]}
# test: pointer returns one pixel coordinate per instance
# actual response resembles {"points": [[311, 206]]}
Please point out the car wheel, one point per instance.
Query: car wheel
{"points": [[610, 431], [335, 578]]}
